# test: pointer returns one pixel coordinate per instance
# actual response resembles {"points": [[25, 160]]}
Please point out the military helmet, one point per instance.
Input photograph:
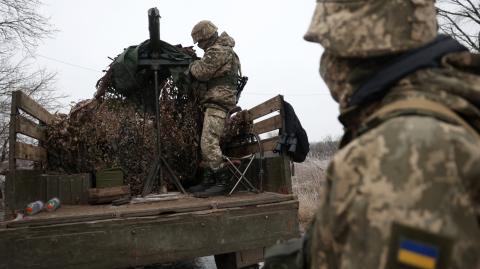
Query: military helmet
{"points": [[203, 30], [365, 28]]}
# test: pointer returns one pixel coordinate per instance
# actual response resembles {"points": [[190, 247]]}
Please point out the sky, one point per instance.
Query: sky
{"points": [[268, 35]]}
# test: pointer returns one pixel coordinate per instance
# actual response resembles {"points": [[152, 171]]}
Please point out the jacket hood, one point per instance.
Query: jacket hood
{"points": [[225, 40], [455, 83]]}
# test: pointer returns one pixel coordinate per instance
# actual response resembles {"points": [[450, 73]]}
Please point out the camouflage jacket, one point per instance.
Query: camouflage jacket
{"points": [[414, 170], [218, 68]]}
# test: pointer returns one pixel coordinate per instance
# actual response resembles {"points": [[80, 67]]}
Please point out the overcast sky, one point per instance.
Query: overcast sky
{"points": [[268, 35]]}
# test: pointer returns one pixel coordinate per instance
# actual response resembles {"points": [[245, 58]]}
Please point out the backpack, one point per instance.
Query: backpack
{"points": [[294, 140]]}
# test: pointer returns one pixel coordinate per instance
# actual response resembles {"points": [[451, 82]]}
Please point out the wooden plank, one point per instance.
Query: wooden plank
{"points": [[65, 190], [24, 187], [12, 164], [268, 125], [277, 176], [13, 135], [29, 128], [70, 189], [28, 105], [26, 222], [28, 152], [143, 241], [266, 199], [75, 213], [166, 211], [243, 150], [53, 187], [269, 106]]}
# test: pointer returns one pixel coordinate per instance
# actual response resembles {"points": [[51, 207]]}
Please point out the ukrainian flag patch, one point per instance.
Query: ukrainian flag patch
{"points": [[417, 255], [413, 248]]}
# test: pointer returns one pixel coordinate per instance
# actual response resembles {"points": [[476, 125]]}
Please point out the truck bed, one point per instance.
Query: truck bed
{"points": [[133, 235], [186, 204], [234, 229]]}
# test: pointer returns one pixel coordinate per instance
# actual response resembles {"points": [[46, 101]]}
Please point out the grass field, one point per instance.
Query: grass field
{"points": [[309, 179], [309, 186]]}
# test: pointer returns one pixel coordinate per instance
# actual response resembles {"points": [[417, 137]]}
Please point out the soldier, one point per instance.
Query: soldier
{"points": [[219, 68], [403, 189]]}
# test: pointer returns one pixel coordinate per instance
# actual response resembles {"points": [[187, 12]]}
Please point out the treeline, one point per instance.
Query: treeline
{"points": [[325, 148]]}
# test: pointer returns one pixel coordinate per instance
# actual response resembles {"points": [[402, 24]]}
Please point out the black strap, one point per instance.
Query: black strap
{"points": [[423, 57]]}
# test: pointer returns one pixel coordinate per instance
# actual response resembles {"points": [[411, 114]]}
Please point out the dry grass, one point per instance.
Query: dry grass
{"points": [[309, 186]]}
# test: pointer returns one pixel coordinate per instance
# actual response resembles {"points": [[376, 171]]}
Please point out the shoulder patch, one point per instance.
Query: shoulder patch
{"points": [[413, 248]]}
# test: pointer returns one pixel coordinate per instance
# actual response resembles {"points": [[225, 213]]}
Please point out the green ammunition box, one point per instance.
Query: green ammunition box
{"points": [[111, 177], [70, 189]]}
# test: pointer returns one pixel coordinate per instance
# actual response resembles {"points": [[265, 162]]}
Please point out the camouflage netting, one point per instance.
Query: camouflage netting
{"points": [[97, 135], [113, 133], [117, 129]]}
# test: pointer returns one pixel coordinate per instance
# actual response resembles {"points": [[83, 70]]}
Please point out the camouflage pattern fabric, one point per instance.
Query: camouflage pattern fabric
{"points": [[447, 85], [218, 64], [203, 30], [213, 125], [416, 170], [365, 28], [410, 170]]}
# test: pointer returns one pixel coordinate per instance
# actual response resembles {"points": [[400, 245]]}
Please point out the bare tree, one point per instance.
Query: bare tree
{"points": [[22, 27], [21, 24], [461, 20]]}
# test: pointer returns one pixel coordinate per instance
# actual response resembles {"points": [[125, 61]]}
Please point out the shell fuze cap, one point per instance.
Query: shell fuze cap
{"points": [[203, 30], [365, 28]]}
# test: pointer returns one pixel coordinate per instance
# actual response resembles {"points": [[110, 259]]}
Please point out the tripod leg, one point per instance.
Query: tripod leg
{"points": [[161, 184], [172, 174], [152, 174]]}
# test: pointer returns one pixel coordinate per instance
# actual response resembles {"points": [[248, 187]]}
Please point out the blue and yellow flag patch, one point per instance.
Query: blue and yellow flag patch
{"points": [[413, 248], [417, 254]]}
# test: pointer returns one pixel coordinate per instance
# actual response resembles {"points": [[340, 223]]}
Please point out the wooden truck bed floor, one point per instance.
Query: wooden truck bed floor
{"points": [[103, 236], [83, 213]]}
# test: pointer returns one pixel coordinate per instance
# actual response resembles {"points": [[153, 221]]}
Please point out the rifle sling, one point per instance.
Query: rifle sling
{"points": [[424, 57], [417, 106]]}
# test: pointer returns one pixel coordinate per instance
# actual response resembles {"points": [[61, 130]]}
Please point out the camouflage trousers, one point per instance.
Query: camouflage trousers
{"points": [[213, 125]]}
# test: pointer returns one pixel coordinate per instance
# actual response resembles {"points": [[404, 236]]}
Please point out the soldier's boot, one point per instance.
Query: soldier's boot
{"points": [[208, 180], [222, 177]]}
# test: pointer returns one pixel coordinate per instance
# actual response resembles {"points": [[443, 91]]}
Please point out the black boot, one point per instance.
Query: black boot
{"points": [[222, 177], [208, 180]]}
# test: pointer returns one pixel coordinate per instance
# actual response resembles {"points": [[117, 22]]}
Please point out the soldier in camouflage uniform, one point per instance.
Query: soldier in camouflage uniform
{"points": [[403, 190], [218, 69]]}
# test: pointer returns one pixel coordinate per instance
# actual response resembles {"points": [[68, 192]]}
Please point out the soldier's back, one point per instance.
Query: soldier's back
{"points": [[404, 181]]}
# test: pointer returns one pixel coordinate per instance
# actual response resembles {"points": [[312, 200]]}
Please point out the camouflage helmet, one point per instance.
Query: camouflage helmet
{"points": [[203, 30], [365, 28]]}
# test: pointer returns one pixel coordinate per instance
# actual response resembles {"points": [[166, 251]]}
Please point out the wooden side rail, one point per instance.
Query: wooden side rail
{"points": [[274, 122], [267, 117], [21, 125], [29, 119], [267, 107]]}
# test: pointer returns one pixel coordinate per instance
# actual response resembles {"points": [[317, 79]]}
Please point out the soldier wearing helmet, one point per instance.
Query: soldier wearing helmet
{"points": [[219, 69], [403, 189]]}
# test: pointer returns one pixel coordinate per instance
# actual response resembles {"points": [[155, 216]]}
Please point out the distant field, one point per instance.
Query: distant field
{"points": [[309, 186]]}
